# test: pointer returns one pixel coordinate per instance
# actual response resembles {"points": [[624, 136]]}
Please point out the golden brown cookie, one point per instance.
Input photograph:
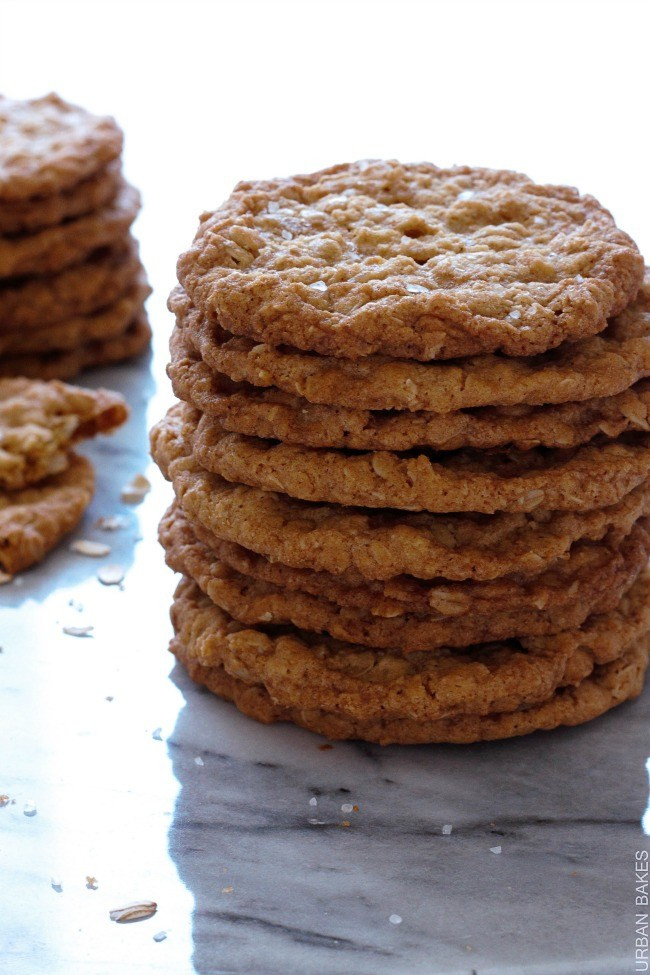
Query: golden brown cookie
{"points": [[34, 519], [78, 290], [379, 544], [275, 415], [573, 479], [602, 365], [304, 671], [68, 363], [55, 248], [411, 261], [36, 212], [98, 326], [591, 571], [608, 686], [253, 602], [39, 422], [49, 145]]}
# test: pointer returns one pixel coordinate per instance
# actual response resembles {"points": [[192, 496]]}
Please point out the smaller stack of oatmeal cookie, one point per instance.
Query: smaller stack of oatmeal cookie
{"points": [[72, 288], [412, 454], [45, 486]]}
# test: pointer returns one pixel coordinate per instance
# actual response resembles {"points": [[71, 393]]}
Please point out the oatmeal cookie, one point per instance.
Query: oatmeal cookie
{"points": [[411, 261], [379, 544], [34, 519], [49, 146], [39, 422]]}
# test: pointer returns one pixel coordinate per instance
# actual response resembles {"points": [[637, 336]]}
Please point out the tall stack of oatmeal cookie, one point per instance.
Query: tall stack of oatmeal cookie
{"points": [[411, 456], [72, 288]]}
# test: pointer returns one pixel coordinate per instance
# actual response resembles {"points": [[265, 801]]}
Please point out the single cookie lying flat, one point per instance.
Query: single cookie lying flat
{"points": [[55, 248], [358, 683], [39, 422], [602, 365], [608, 686], [254, 602], [37, 212], [574, 479], [381, 544], [68, 363], [275, 415], [49, 145], [34, 519], [411, 261], [78, 290]]}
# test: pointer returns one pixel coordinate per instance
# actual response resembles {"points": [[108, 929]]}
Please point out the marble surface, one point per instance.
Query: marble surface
{"points": [[162, 792]]}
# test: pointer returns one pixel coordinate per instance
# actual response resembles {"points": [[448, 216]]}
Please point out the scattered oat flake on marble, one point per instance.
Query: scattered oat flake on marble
{"points": [[160, 936], [347, 807], [110, 575], [111, 523], [316, 822], [78, 630], [446, 829], [135, 490], [495, 849], [84, 546], [395, 919], [227, 890], [91, 883], [346, 823], [5, 800], [137, 911], [29, 809], [198, 760], [5, 577], [313, 801]]}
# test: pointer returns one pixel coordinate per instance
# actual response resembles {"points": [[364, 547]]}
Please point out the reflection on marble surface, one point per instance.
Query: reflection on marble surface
{"points": [[162, 792]]}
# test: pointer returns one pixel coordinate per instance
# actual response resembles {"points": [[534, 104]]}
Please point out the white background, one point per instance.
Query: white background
{"points": [[213, 92]]}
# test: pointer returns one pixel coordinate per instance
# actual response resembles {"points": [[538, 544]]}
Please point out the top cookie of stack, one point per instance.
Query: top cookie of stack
{"points": [[72, 288], [415, 419]]}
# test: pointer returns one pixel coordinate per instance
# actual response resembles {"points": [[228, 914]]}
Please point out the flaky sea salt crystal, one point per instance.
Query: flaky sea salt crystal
{"points": [[273, 207], [156, 734], [579, 278], [515, 314], [347, 807], [198, 760], [29, 809], [160, 936], [318, 286], [416, 289], [495, 849], [395, 919], [446, 829], [465, 195], [313, 801], [286, 235], [84, 546], [56, 884]]}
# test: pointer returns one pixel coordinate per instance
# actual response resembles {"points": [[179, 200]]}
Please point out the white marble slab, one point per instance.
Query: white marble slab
{"points": [[250, 874]]}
